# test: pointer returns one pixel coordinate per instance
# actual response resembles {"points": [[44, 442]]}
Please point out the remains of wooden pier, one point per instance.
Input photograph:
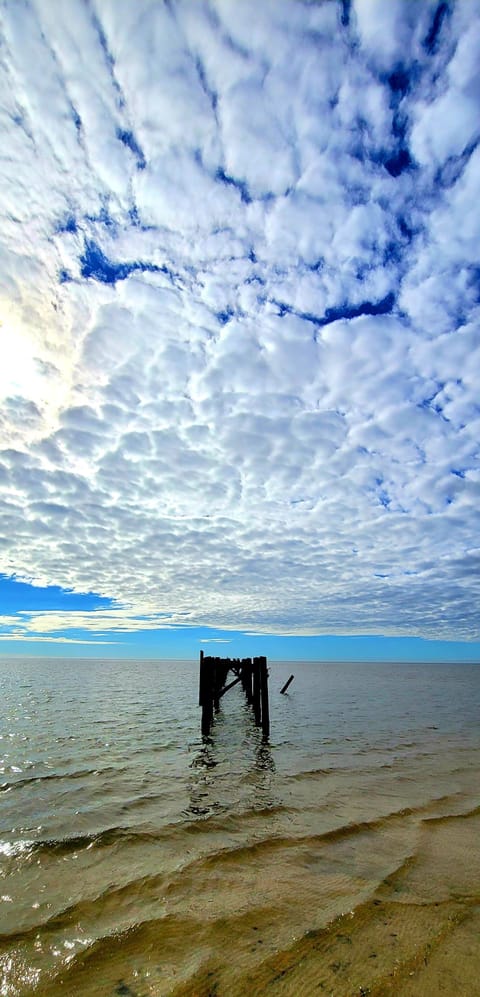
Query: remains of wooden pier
{"points": [[251, 672]]}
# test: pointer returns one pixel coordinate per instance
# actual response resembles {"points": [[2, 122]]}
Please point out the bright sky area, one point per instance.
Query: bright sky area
{"points": [[240, 349]]}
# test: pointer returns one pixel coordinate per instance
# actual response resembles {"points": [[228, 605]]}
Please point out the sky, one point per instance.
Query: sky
{"points": [[239, 328]]}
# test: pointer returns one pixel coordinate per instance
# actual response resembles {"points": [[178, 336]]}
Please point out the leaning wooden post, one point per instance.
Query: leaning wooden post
{"points": [[264, 696], [257, 701]]}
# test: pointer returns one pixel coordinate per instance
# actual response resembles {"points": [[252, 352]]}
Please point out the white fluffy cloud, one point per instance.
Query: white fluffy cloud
{"points": [[239, 296]]}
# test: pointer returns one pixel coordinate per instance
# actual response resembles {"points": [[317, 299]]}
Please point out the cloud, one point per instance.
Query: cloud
{"points": [[239, 295]]}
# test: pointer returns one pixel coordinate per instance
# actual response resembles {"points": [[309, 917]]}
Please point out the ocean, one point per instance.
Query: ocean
{"points": [[340, 857]]}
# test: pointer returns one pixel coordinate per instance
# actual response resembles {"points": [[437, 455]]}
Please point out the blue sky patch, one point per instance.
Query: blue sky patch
{"points": [[97, 266], [16, 595]]}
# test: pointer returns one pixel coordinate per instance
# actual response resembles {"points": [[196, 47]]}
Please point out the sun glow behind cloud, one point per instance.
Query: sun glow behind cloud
{"points": [[19, 372], [240, 302]]}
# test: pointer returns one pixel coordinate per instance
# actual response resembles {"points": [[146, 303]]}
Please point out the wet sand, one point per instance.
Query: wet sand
{"points": [[341, 858], [387, 906]]}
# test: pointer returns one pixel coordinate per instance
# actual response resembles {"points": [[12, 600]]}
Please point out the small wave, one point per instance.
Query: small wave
{"points": [[462, 815], [281, 841], [6, 787], [311, 773], [12, 848], [75, 843]]}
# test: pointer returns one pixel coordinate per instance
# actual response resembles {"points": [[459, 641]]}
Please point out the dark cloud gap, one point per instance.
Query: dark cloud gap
{"points": [[21, 120], [384, 498], [136, 220], [76, 118], [102, 38], [225, 316], [407, 231], [134, 216], [345, 311], [230, 181], [392, 253], [399, 82], [103, 218], [97, 266], [433, 407], [474, 281], [395, 162], [128, 139], [400, 127], [452, 169], [209, 92], [68, 225], [345, 12], [431, 40], [398, 163]]}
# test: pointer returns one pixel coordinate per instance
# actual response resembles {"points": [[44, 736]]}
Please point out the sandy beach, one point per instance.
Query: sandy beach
{"points": [[339, 858]]}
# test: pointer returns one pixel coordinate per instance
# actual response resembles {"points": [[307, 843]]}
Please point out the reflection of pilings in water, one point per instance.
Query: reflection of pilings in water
{"points": [[210, 784], [201, 803], [253, 674], [264, 758]]}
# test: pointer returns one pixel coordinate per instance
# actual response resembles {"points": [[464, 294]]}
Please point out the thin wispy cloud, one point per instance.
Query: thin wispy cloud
{"points": [[239, 295]]}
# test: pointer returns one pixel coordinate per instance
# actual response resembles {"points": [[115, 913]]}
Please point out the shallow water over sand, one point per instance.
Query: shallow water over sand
{"points": [[341, 857]]}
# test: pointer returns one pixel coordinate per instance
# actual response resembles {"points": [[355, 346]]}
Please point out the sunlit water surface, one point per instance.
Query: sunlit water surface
{"points": [[139, 859]]}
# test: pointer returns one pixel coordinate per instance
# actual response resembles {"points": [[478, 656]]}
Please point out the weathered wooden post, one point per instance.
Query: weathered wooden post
{"points": [[247, 678], [252, 673], [287, 683], [264, 696], [216, 684], [257, 700], [201, 688], [206, 693]]}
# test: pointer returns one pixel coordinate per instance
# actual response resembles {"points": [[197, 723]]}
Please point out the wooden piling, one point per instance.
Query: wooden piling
{"points": [[247, 679], [201, 689], [257, 694], [264, 696], [216, 684], [252, 673], [287, 683], [206, 693]]}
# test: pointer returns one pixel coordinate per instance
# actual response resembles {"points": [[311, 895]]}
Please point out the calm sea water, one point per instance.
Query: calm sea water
{"points": [[123, 833]]}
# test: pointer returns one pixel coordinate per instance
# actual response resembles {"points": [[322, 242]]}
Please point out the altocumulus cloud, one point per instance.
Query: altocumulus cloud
{"points": [[239, 294]]}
